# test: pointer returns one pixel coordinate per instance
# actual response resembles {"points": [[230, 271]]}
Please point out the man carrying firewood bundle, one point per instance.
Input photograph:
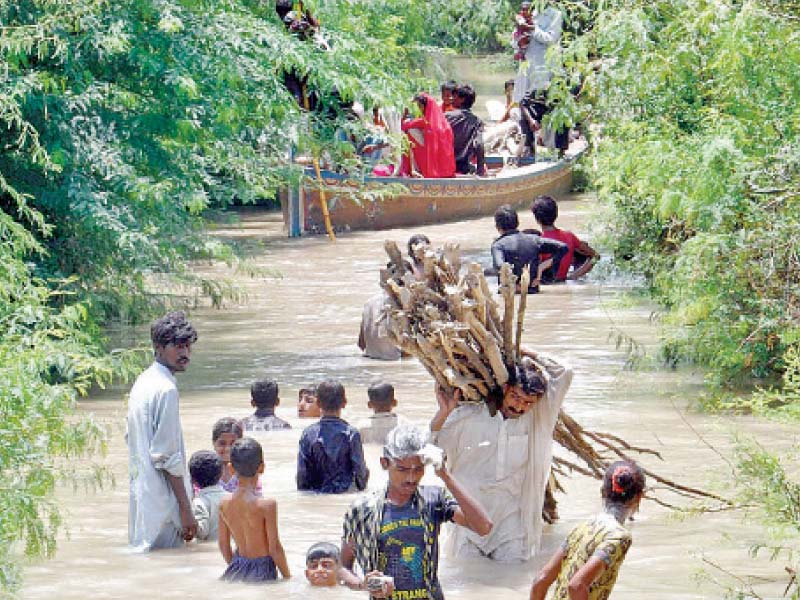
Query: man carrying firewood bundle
{"points": [[501, 451]]}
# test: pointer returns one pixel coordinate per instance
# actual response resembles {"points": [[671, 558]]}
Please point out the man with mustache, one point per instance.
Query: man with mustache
{"points": [[501, 450], [160, 514]]}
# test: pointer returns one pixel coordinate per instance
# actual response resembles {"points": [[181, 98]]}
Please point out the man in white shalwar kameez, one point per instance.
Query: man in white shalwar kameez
{"points": [[160, 514], [504, 459]]}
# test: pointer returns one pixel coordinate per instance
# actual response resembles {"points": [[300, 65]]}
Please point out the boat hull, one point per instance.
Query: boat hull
{"points": [[422, 201]]}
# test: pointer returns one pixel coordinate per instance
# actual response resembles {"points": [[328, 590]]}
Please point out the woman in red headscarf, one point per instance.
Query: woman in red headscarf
{"points": [[431, 140]]}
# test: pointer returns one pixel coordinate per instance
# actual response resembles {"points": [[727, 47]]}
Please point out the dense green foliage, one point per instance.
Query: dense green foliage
{"points": [[771, 495], [698, 119], [120, 124]]}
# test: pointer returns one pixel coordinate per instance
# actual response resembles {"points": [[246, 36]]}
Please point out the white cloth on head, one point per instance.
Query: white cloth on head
{"points": [[155, 446], [505, 465]]}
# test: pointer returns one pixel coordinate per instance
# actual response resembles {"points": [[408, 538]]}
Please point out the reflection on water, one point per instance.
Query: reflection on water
{"points": [[303, 327]]}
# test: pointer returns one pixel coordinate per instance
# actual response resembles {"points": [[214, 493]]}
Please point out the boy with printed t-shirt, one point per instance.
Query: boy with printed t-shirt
{"points": [[393, 533]]}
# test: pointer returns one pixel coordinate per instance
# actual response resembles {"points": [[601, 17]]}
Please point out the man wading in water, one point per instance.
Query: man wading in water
{"points": [[160, 511]]}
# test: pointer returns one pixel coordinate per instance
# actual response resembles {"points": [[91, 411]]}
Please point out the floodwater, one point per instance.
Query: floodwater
{"points": [[302, 327]]}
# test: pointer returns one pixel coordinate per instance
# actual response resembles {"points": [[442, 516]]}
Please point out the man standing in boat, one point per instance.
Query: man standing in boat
{"points": [[535, 73]]}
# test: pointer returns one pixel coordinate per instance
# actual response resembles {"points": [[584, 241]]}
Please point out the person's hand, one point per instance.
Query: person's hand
{"points": [[385, 592], [447, 402], [188, 525], [525, 351], [442, 472]]}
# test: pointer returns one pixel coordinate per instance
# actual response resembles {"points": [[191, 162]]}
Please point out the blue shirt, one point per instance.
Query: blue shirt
{"points": [[331, 458]]}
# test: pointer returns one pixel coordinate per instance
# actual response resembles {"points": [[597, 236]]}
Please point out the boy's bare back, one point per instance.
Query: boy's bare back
{"points": [[248, 518]]}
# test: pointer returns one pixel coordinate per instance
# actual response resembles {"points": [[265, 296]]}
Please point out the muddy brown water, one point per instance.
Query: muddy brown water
{"points": [[302, 327]]}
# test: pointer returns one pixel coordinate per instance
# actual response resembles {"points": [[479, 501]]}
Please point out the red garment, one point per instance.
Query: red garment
{"points": [[435, 157], [571, 240]]}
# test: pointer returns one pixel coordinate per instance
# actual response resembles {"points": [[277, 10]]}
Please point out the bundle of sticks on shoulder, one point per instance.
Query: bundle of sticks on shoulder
{"points": [[445, 314]]}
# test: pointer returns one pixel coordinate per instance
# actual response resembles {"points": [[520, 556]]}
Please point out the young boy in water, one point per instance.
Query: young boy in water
{"points": [[224, 434], [307, 404], [383, 420], [580, 255], [331, 457], [264, 398], [205, 468], [322, 565], [252, 521]]}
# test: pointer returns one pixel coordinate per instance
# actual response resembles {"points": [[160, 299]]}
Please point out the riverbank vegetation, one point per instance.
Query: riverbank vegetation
{"points": [[698, 154]]}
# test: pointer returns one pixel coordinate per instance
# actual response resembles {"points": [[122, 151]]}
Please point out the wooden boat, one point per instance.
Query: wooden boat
{"points": [[367, 203]]}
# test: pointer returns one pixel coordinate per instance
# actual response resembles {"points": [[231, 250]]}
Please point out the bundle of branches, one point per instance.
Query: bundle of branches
{"points": [[449, 319]]}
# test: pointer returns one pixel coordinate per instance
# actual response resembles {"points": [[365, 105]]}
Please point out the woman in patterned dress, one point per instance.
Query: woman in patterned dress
{"points": [[588, 561]]}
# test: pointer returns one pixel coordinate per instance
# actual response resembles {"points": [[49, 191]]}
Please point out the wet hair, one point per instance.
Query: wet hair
{"points": [[508, 84], [622, 482], [246, 456], [310, 390], [527, 376], [524, 374], [283, 7], [226, 425], [416, 240], [505, 218], [404, 441], [172, 328], [545, 210], [205, 467], [381, 395], [449, 85], [264, 393], [467, 94], [330, 395], [323, 550]]}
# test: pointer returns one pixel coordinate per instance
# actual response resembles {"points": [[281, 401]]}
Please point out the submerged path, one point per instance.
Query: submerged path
{"points": [[301, 327]]}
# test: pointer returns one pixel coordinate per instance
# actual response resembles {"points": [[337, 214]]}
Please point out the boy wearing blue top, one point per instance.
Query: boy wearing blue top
{"points": [[331, 457]]}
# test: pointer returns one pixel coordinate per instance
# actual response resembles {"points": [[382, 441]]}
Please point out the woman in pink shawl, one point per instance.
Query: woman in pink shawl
{"points": [[431, 141]]}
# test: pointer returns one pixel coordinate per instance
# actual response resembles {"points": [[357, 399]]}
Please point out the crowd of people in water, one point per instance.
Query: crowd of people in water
{"points": [[492, 484], [492, 458]]}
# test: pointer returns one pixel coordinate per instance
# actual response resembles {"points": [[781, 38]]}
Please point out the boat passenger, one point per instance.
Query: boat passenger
{"points": [[580, 255], [448, 91], [588, 561], [431, 140], [467, 133], [523, 249]]}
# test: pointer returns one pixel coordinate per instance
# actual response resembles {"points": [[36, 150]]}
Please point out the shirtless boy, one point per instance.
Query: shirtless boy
{"points": [[252, 521]]}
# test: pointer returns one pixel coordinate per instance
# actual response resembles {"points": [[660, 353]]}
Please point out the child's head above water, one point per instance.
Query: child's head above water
{"points": [[381, 397], [545, 210], [247, 457], [322, 564], [331, 397], [264, 394], [205, 468], [307, 403], [226, 431]]}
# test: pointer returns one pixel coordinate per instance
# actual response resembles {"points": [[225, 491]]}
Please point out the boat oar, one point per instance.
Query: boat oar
{"points": [[323, 201]]}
